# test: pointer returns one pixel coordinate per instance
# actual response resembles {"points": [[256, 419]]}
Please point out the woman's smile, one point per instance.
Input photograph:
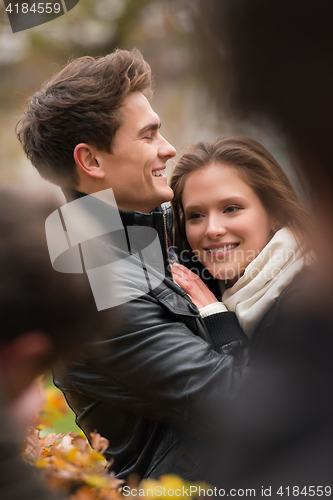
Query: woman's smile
{"points": [[220, 251]]}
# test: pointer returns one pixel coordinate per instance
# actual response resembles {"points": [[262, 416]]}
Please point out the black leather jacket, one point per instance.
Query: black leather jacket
{"points": [[157, 386]]}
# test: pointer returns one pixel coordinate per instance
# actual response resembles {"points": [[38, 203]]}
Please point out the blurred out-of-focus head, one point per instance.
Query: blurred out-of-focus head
{"points": [[274, 58], [43, 313]]}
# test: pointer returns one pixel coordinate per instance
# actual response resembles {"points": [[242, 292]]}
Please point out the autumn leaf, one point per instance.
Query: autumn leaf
{"points": [[33, 445], [98, 442]]}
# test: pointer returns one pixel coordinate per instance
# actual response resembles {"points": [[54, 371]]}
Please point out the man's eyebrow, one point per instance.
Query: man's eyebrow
{"points": [[151, 126]]}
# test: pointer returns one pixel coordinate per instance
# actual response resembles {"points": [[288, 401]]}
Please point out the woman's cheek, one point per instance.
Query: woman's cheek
{"points": [[194, 236]]}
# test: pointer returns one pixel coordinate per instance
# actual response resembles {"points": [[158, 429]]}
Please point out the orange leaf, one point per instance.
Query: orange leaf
{"points": [[98, 442]]}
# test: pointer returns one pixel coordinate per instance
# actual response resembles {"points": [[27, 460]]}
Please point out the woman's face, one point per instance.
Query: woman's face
{"points": [[226, 224]]}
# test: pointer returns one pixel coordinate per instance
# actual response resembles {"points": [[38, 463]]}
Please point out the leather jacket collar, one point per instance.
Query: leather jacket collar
{"points": [[160, 219]]}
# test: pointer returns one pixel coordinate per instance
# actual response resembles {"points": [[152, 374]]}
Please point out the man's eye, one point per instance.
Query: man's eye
{"points": [[149, 137]]}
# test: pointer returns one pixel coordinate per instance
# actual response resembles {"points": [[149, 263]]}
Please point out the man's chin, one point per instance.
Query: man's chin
{"points": [[167, 194], [163, 196]]}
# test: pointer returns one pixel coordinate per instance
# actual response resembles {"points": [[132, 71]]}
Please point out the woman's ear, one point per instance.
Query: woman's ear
{"points": [[86, 161], [276, 225]]}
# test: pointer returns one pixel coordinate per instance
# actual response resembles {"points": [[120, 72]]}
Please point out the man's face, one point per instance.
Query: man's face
{"points": [[135, 168]]}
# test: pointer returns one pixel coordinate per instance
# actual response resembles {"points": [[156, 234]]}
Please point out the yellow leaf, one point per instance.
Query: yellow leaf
{"points": [[96, 481]]}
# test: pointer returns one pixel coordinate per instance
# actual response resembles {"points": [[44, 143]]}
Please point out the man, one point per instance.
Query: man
{"points": [[41, 319], [155, 387]]}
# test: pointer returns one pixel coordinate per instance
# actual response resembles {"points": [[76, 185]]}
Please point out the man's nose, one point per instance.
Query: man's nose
{"points": [[166, 150], [215, 226]]}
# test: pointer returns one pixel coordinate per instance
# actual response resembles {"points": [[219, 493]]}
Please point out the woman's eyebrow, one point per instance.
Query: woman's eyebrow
{"points": [[225, 201], [191, 207]]}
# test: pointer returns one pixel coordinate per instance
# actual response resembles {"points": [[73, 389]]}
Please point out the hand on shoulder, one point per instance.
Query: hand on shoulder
{"points": [[195, 288]]}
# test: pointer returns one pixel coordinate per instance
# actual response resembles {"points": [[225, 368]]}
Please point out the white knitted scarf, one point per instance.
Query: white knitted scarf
{"points": [[264, 279]]}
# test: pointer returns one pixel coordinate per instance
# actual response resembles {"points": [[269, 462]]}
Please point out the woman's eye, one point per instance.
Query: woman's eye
{"points": [[194, 216], [232, 209]]}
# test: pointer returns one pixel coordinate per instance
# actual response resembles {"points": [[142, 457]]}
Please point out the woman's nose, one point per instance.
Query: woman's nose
{"points": [[215, 227]]}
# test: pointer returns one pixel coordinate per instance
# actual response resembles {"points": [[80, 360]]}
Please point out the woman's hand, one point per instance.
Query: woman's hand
{"points": [[193, 286]]}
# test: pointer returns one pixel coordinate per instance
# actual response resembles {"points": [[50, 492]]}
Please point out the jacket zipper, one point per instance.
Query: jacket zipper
{"points": [[166, 244]]}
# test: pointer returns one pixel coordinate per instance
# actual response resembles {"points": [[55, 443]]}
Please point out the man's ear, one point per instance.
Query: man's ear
{"points": [[22, 360], [86, 161]]}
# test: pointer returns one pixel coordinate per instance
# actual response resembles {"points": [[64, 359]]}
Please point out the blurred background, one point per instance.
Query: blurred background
{"points": [[162, 30]]}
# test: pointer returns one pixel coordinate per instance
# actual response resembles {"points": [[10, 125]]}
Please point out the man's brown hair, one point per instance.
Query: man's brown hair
{"points": [[80, 104]]}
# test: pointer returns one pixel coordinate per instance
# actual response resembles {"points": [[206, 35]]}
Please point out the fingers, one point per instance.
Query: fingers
{"points": [[193, 286], [180, 270], [182, 282], [190, 282], [188, 277]]}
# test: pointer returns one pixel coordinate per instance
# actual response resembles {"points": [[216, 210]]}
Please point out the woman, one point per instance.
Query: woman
{"points": [[238, 213]]}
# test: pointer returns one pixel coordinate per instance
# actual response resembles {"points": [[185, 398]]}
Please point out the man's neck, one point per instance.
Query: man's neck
{"points": [[72, 194]]}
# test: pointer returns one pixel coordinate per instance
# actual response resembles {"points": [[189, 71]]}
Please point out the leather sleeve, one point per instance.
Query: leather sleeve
{"points": [[154, 366], [224, 328]]}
